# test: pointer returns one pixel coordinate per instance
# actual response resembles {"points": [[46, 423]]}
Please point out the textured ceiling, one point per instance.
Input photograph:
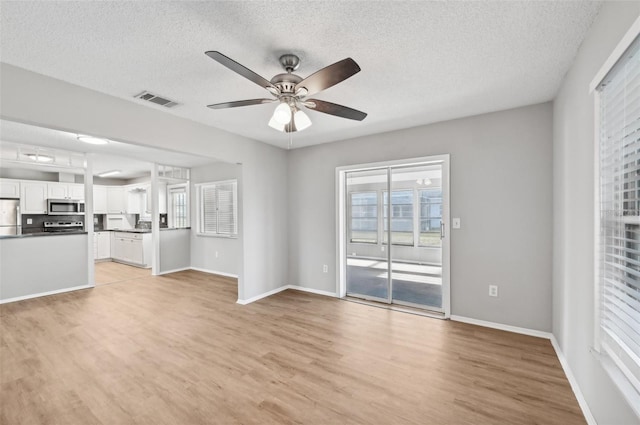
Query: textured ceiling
{"points": [[421, 62]]}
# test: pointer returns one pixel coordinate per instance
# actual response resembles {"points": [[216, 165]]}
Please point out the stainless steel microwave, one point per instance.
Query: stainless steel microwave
{"points": [[65, 207]]}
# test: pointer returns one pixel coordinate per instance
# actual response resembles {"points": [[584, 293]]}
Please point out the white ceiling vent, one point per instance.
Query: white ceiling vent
{"points": [[153, 98]]}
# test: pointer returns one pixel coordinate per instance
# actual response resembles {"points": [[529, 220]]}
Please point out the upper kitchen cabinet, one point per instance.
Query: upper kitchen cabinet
{"points": [[33, 198], [9, 188], [99, 199], [65, 191], [135, 198], [162, 198], [116, 200]]}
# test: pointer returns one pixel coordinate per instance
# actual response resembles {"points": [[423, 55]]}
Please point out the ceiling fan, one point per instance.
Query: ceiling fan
{"points": [[291, 91]]}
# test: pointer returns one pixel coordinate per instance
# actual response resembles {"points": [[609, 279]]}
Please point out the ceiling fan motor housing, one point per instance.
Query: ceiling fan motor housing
{"points": [[286, 83]]}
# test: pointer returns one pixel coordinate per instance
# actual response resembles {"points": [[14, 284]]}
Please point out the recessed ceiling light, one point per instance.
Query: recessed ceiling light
{"points": [[38, 157], [92, 140], [109, 173]]}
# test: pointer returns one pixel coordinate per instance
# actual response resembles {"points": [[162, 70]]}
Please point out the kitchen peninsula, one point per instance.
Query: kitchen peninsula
{"points": [[42, 264]]}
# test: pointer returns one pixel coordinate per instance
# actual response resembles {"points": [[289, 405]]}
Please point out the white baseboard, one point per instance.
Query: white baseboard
{"points": [[313, 291], [44, 294], [582, 402], [500, 326], [261, 296], [174, 271], [198, 269]]}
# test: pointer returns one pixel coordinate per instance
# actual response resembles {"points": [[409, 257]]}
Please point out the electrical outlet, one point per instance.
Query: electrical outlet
{"points": [[162, 220], [455, 223], [29, 221], [382, 248], [216, 254], [325, 269], [493, 290]]}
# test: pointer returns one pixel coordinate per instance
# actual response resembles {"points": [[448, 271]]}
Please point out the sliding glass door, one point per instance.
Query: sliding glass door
{"points": [[395, 233]]}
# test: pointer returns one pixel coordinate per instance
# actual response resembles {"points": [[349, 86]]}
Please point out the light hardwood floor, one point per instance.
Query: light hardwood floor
{"points": [[177, 349], [111, 272]]}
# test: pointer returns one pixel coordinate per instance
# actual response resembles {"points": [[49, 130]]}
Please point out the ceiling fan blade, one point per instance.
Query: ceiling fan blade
{"points": [[329, 76], [240, 69], [335, 109], [237, 103]]}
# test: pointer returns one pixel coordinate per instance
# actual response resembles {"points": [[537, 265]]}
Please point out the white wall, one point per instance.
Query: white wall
{"points": [[573, 164], [500, 188], [204, 248], [36, 99]]}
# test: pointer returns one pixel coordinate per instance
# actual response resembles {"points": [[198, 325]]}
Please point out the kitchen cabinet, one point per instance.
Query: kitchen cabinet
{"points": [[135, 199], [99, 199], [115, 200], [132, 248], [33, 197], [65, 191], [102, 245], [162, 198], [9, 188]]}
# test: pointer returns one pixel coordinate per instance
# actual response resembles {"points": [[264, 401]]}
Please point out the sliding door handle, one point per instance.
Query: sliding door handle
{"points": [[441, 230]]}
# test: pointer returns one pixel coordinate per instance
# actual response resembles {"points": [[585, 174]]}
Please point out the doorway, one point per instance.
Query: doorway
{"points": [[393, 233]]}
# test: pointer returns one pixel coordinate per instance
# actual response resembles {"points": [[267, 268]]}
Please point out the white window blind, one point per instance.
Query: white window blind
{"points": [[219, 208], [619, 274]]}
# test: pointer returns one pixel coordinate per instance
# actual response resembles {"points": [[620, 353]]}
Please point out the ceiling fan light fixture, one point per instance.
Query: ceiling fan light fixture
{"points": [[282, 114], [301, 120], [273, 123]]}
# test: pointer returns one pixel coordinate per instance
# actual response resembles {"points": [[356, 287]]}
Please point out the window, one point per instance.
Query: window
{"points": [[430, 216], [364, 217], [619, 218], [218, 208], [178, 204], [401, 217]]}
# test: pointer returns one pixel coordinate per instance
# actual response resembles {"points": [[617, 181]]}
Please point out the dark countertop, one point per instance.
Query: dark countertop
{"points": [[36, 234], [162, 229]]}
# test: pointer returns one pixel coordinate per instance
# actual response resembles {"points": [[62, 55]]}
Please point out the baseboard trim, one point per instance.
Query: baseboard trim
{"points": [[173, 271], [582, 402], [500, 326], [44, 294], [261, 296], [198, 269], [313, 291]]}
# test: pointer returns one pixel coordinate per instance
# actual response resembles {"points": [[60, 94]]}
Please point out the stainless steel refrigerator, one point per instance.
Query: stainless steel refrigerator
{"points": [[9, 216]]}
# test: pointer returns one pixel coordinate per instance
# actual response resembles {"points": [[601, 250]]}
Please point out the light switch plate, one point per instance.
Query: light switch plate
{"points": [[455, 223]]}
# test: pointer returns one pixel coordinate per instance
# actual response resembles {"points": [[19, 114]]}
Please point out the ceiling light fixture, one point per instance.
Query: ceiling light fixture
{"points": [[38, 157], [109, 173], [301, 120], [282, 114], [92, 140]]}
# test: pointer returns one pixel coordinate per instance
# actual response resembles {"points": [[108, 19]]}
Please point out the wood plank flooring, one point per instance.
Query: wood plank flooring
{"points": [[177, 349], [111, 272]]}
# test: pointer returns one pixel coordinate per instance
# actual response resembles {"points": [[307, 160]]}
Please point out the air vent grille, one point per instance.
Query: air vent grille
{"points": [[158, 100]]}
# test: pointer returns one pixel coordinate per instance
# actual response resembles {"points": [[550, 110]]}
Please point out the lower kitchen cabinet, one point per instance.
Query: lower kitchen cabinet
{"points": [[132, 248], [102, 245]]}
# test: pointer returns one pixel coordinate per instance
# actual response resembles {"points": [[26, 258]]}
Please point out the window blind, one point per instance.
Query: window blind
{"points": [[209, 211], [219, 208], [619, 277]]}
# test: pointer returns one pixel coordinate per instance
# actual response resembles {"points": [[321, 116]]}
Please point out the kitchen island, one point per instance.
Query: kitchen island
{"points": [[42, 264]]}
